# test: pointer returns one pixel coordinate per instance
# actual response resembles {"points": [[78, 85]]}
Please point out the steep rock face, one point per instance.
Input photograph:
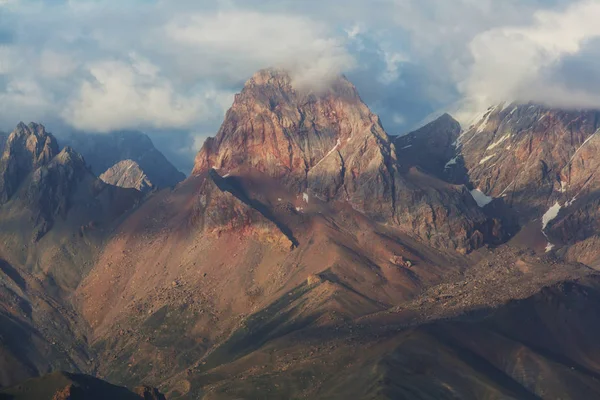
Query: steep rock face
{"points": [[49, 190], [45, 190], [128, 174], [283, 132], [27, 148], [431, 148], [529, 155], [328, 144], [103, 151], [3, 138]]}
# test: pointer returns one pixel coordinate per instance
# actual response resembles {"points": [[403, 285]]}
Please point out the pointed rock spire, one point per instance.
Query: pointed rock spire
{"points": [[27, 148]]}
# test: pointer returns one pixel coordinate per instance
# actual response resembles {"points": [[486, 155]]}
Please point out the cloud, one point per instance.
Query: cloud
{"points": [[527, 63], [237, 43], [134, 94], [171, 67]]}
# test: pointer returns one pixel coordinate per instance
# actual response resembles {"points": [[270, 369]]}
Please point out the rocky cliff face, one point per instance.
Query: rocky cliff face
{"points": [[3, 138], [49, 190], [44, 189], [529, 155], [27, 148], [128, 174], [103, 151], [431, 148], [541, 164], [329, 145]]}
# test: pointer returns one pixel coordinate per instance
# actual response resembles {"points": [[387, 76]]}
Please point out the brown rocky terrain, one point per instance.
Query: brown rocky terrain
{"points": [[307, 257], [26, 149], [67, 386], [128, 174]]}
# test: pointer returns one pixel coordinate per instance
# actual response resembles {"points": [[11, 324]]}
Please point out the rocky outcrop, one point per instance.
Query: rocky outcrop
{"points": [[530, 156], [3, 138], [432, 148], [103, 151], [328, 144], [50, 187], [27, 148], [128, 174]]}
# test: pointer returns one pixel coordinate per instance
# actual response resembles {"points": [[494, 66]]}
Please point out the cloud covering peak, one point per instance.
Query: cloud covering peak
{"points": [[171, 68]]}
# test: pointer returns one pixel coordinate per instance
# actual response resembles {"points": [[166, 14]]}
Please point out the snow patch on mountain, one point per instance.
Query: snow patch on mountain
{"points": [[487, 159], [550, 214], [499, 141], [481, 198], [451, 162]]}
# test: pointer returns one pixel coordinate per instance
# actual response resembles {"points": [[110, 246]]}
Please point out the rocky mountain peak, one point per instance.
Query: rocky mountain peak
{"points": [[69, 156], [27, 148], [31, 141], [431, 147], [328, 144], [128, 174], [528, 155], [283, 131], [103, 151]]}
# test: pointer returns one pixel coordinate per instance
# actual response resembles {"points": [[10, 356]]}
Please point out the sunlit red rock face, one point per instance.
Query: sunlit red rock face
{"points": [[543, 164], [328, 144], [529, 155]]}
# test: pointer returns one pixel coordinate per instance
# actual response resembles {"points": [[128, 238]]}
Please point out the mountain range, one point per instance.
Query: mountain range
{"points": [[309, 254]]}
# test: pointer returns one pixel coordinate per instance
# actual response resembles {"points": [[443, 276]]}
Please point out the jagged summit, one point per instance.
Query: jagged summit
{"points": [[330, 145], [283, 131], [27, 148], [430, 147], [128, 174], [531, 149], [103, 151], [69, 155]]}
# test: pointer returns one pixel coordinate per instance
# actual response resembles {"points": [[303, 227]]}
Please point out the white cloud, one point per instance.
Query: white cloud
{"points": [[237, 43], [393, 61], [517, 62], [56, 65], [131, 95], [399, 119], [408, 58]]}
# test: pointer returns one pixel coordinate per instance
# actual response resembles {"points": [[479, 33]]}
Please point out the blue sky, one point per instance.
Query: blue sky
{"points": [[170, 68]]}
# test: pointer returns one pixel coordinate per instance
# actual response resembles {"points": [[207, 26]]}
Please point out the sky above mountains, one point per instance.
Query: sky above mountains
{"points": [[171, 68]]}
